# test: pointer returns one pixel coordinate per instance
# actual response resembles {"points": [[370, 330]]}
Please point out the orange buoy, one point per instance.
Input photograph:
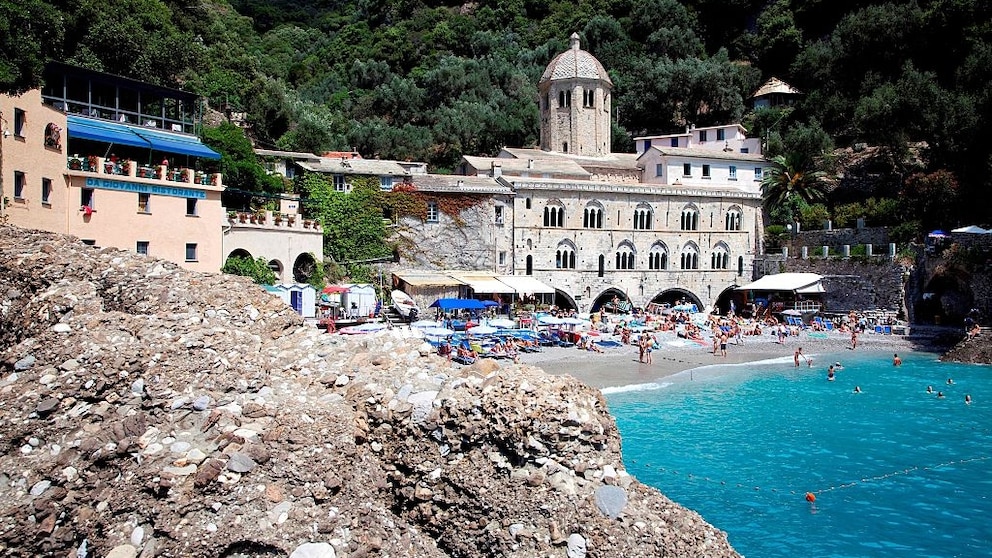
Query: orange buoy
{"points": [[810, 497]]}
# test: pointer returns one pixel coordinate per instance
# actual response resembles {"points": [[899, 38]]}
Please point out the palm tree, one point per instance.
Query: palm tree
{"points": [[793, 177]]}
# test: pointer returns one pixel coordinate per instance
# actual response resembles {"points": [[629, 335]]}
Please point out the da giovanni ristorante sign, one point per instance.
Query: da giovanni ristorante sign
{"points": [[155, 189]]}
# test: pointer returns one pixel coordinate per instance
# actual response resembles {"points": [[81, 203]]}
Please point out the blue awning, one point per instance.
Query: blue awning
{"points": [[176, 143], [122, 134], [95, 130]]}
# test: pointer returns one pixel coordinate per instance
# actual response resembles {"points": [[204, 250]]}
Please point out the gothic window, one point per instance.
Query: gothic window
{"points": [[732, 220], [643, 217], [564, 99], [592, 217], [602, 265], [565, 256], [554, 215], [530, 265], [625, 256], [588, 98], [720, 258], [658, 257], [689, 259], [690, 219]]}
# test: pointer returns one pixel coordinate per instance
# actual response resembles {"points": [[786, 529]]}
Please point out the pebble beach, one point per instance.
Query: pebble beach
{"points": [[619, 366]]}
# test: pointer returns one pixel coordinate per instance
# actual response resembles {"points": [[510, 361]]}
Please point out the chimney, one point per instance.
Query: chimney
{"points": [[574, 41], [497, 169]]}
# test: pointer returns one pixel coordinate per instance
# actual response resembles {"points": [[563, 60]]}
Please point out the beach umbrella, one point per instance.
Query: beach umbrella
{"points": [[549, 320], [334, 289], [482, 330], [502, 323], [489, 303], [574, 321], [425, 323], [435, 331]]}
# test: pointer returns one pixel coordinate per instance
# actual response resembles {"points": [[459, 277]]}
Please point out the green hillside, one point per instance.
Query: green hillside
{"points": [[433, 80]]}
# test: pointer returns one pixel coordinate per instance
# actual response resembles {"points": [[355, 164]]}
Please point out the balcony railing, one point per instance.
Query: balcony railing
{"points": [[132, 169], [271, 220]]}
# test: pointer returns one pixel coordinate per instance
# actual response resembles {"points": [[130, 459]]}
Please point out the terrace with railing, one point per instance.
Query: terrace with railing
{"points": [[132, 169]]}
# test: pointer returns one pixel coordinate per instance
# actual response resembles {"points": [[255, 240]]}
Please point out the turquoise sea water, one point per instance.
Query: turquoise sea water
{"points": [[895, 470]]}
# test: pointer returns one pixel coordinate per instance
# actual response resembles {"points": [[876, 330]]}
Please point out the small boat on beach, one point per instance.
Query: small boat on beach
{"points": [[403, 303]]}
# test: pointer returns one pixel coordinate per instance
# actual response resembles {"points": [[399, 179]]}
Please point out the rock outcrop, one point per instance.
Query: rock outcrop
{"points": [[149, 411]]}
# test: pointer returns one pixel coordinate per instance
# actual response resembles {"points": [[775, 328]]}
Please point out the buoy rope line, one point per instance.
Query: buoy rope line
{"points": [[864, 480]]}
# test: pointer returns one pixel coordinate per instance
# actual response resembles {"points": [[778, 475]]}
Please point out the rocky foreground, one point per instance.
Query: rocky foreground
{"points": [[149, 411]]}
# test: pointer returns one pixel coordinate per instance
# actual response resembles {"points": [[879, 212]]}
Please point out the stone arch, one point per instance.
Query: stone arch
{"points": [[689, 221], [277, 268], [720, 256], [304, 267], [643, 217], [607, 296], [730, 296], [240, 253], [733, 218], [554, 213], [676, 296], [565, 255], [689, 256], [564, 300]]}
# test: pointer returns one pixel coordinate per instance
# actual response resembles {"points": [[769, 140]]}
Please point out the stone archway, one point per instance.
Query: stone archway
{"points": [[730, 298], [276, 267], [240, 253], [607, 296], [564, 301], [304, 268], [674, 297]]}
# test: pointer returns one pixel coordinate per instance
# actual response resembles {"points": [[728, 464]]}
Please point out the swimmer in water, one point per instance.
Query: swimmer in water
{"points": [[837, 366], [896, 361], [857, 389], [929, 389], [940, 395], [950, 381], [967, 400]]}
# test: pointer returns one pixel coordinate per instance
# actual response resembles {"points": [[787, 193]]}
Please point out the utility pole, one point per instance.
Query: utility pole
{"points": [[3, 199]]}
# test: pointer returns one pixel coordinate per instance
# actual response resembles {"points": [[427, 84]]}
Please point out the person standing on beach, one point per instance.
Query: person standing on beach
{"points": [[641, 347], [798, 353], [723, 344], [854, 338]]}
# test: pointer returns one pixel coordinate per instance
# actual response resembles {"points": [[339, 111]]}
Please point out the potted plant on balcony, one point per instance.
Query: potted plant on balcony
{"points": [[278, 218], [242, 217]]}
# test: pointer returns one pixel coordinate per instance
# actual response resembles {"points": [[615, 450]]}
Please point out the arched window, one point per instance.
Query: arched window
{"points": [[658, 257], [690, 218], [554, 215], [592, 217], [720, 258], [643, 217], [626, 256], [733, 219], [689, 259], [602, 265], [565, 256], [530, 265]]}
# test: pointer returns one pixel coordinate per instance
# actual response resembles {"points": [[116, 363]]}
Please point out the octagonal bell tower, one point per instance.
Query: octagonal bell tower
{"points": [[575, 103]]}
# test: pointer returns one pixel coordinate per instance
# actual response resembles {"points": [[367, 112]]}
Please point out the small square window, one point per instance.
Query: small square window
{"points": [[18, 185], [46, 190], [706, 171], [527, 203], [144, 203], [675, 142], [141, 247], [386, 183], [499, 214], [721, 135], [757, 173], [432, 212], [733, 172], [686, 169], [659, 169], [502, 258], [745, 150], [191, 207], [191, 252], [339, 184], [702, 136]]}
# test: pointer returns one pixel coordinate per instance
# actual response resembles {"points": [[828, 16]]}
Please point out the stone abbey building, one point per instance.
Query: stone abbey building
{"points": [[679, 220]]}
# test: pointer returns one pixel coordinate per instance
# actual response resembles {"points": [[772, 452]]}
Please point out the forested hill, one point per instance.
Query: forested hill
{"points": [[432, 80]]}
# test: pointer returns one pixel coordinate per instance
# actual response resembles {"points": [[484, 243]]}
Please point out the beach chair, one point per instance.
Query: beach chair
{"points": [[878, 329], [828, 325], [887, 330]]}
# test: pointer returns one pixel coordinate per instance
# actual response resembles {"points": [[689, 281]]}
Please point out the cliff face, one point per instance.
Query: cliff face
{"points": [[148, 410]]}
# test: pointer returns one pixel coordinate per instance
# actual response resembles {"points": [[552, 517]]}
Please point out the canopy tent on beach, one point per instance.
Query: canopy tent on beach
{"points": [[972, 229], [794, 282]]}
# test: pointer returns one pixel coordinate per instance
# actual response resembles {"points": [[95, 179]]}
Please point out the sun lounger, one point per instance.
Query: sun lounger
{"points": [[887, 330], [878, 329], [828, 325]]}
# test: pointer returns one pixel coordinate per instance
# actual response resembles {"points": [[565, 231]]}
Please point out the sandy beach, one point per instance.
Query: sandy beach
{"points": [[618, 366]]}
